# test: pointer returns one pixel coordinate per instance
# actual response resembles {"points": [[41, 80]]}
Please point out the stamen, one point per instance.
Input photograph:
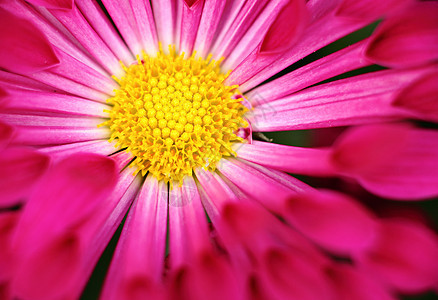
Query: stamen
{"points": [[175, 114]]}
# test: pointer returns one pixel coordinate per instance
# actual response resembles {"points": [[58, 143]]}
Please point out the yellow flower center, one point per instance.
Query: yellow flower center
{"points": [[175, 114]]}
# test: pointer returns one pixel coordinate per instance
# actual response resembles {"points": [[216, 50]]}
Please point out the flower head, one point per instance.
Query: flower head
{"points": [[175, 114], [149, 116]]}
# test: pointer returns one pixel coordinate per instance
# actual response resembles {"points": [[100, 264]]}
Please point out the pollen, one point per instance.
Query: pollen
{"points": [[175, 114]]}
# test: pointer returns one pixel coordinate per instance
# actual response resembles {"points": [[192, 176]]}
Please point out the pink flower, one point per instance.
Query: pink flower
{"points": [[103, 124]]}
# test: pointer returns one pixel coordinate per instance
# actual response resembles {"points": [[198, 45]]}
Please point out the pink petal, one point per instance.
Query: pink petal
{"points": [[210, 277], [288, 26], [191, 16], [392, 161], [122, 159], [215, 193], [404, 256], [23, 48], [12, 81], [26, 101], [178, 12], [367, 96], [246, 224], [397, 45], [78, 26], [138, 264], [49, 271], [290, 275], [421, 97], [254, 183], [190, 3], [55, 136], [248, 229], [55, 4], [164, 15], [91, 234], [3, 100], [369, 9], [8, 221], [102, 25], [6, 134], [349, 284], [145, 23], [210, 18], [87, 178], [257, 68], [284, 179], [51, 121], [254, 36], [332, 220], [20, 170], [123, 17], [97, 233], [321, 8], [287, 158], [139, 287], [342, 61], [251, 227], [79, 72], [56, 34], [98, 147], [228, 16], [228, 38], [4, 290], [188, 235], [352, 155], [63, 84]]}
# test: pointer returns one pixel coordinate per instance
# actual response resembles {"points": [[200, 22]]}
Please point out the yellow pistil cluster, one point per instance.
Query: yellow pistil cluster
{"points": [[175, 114]]}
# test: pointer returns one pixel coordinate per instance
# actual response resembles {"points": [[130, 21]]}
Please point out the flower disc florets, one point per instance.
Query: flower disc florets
{"points": [[175, 114]]}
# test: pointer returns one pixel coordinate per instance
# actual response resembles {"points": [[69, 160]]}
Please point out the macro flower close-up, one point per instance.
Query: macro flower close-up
{"points": [[218, 149]]}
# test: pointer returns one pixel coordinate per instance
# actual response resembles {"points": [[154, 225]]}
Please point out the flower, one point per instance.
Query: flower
{"points": [[152, 110]]}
